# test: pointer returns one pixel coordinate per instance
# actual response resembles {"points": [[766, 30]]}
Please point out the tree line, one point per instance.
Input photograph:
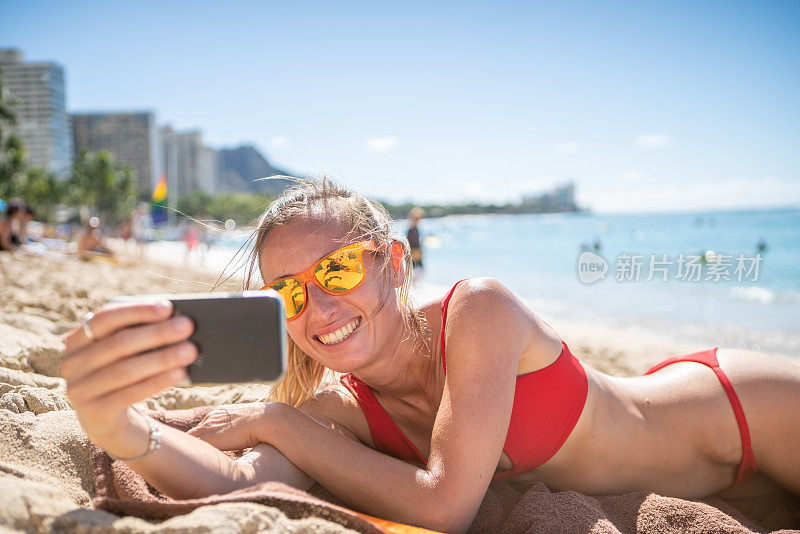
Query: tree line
{"points": [[95, 181], [400, 211], [244, 208]]}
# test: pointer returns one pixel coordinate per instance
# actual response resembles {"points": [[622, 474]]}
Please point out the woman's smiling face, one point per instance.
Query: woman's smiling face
{"points": [[296, 246]]}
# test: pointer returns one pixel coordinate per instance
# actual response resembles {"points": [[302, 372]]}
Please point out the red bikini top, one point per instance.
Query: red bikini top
{"points": [[547, 405]]}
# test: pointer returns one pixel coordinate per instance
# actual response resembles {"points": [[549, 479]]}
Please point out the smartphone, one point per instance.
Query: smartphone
{"points": [[241, 337]]}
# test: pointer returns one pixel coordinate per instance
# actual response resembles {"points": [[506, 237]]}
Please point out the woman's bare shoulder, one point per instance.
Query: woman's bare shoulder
{"points": [[487, 300]]}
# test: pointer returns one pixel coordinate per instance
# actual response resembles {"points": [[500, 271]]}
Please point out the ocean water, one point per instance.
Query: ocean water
{"points": [[537, 256]]}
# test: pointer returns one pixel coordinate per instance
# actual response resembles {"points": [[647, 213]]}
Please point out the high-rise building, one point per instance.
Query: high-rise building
{"points": [[131, 137], [35, 92], [208, 176], [561, 198], [188, 165]]}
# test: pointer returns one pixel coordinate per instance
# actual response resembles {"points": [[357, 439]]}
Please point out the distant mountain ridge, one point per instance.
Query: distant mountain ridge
{"points": [[240, 168]]}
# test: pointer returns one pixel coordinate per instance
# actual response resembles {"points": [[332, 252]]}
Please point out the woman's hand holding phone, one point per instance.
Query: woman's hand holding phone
{"points": [[135, 350]]}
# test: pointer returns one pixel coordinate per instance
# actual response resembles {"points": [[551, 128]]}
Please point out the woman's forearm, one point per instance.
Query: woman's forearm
{"points": [[364, 478], [184, 467]]}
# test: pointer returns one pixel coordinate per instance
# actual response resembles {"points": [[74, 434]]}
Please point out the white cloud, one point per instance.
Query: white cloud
{"points": [[657, 140], [381, 144], [279, 141], [732, 193], [566, 147]]}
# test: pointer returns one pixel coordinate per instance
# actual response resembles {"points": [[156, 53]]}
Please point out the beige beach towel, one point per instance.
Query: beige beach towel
{"points": [[538, 510]]}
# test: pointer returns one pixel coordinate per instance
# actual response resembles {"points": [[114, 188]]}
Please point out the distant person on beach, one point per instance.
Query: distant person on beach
{"points": [[91, 241], [6, 235], [414, 217], [141, 226], [25, 216], [373, 410], [204, 230], [191, 236], [125, 232], [14, 225], [203, 245], [596, 245]]}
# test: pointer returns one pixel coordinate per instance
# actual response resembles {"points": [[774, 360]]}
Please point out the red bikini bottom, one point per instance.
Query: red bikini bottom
{"points": [[747, 467]]}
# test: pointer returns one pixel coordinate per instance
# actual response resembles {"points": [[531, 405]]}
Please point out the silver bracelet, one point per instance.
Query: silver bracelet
{"points": [[154, 442]]}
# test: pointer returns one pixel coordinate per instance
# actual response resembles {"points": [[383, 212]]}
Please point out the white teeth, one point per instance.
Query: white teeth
{"points": [[341, 334]]}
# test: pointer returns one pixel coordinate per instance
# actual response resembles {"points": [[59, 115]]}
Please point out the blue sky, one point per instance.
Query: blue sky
{"points": [[644, 105]]}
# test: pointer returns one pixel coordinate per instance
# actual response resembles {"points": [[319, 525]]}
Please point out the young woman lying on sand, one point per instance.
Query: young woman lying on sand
{"points": [[414, 433]]}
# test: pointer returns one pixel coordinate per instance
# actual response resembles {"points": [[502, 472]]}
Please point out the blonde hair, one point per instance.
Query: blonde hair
{"points": [[320, 197]]}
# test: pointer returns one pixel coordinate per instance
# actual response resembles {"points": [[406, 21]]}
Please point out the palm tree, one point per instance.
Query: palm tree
{"points": [[10, 149], [99, 183], [12, 165], [6, 110]]}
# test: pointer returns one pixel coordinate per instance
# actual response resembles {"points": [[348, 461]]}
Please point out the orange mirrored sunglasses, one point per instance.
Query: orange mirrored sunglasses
{"points": [[338, 273]]}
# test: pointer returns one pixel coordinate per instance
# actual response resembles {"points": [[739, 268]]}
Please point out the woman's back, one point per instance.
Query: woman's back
{"points": [[573, 427]]}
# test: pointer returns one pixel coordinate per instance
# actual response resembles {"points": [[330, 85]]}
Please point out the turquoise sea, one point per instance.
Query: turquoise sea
{"points": [[537, 257]]}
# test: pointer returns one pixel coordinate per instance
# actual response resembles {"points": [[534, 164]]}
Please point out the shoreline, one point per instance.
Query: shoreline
{"points": [[538, 258]]}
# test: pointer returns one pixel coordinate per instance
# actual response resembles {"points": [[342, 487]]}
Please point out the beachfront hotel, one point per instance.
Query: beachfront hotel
{"points": [[188, 164], [131, 137], [36, 94]]}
